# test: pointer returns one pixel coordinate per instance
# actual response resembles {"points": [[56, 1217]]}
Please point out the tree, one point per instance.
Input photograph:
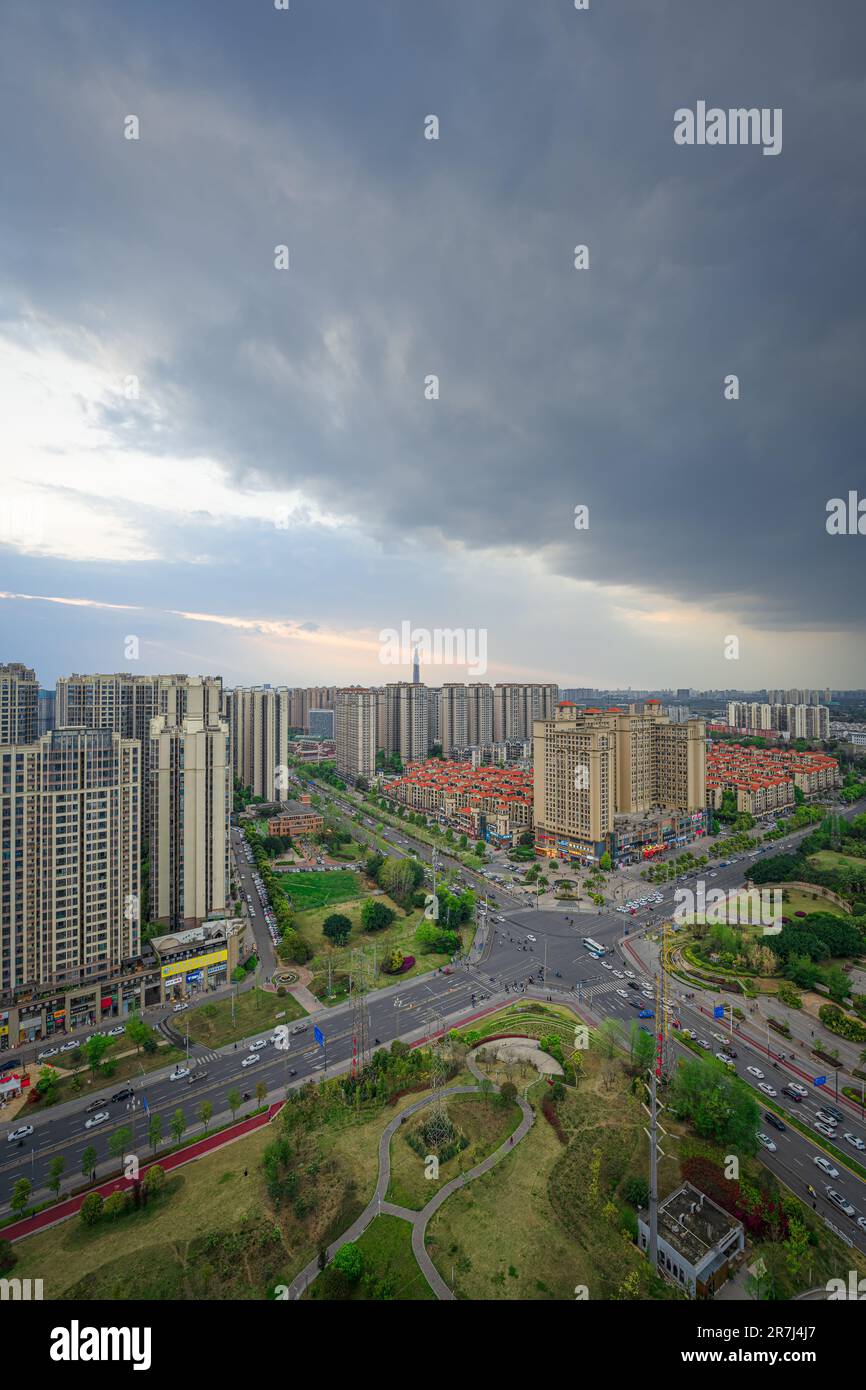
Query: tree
{"points": [[337, 928], [261, 1091], [20, 1194], [91, 1209], [55, 1173], [716, 1103], [120, 1141], [137, 1033], [154, 1179], [115, 1205], [636, 1191], [154, 1132], [95, 1049], [88, 1163], [177, 1125], [376, 915], [605, 862], [508, 1092], [205, 1111], [349, 1261], [480, 849], [234, 1100]]}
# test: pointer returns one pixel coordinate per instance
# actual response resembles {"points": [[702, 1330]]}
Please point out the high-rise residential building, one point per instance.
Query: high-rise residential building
{"points": [[305, 699], [261, 718], [45, 705], [479, 714], [70, 849], [19, 697], [517, 707], [453, 706], [190, 804], [356, 718], [407, 721], [126, 704], [321, 723], [433, 720], [595, 766], [804, 720]]}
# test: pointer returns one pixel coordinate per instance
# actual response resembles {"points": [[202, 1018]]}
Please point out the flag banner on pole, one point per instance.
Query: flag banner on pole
{"points": [[319, 1036]]}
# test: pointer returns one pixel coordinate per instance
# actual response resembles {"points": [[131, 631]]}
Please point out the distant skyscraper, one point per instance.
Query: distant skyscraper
{"points": [[416, 667], [19, 690], [321, 723]]}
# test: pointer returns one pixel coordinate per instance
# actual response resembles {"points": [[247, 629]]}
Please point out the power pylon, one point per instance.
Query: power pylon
{"points": [[360, 1014], [662, 1063]]}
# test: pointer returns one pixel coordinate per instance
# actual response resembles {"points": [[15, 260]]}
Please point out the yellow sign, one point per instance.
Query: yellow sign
{"points": [[181, 967]]}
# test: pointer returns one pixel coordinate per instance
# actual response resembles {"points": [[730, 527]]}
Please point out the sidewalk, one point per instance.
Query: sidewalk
{"points": [[63, 1210]]}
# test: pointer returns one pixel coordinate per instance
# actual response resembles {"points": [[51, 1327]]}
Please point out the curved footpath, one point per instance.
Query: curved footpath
{"points": [[417, 1219]]}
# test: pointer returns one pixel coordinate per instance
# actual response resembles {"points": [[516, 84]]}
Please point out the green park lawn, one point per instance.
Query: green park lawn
{"points": [[256, 1010], [799, 900], [314, 888], [833, 859], [400, 934], [484, 1120], [386, 1246]]}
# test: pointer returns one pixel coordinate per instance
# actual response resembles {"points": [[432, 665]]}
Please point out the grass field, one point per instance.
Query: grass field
{"points": [[799, 900], [533, 1228], [484, 1121], [313, 888], [400, 934], [256, 1010], [387, 1249], [832, 859]]}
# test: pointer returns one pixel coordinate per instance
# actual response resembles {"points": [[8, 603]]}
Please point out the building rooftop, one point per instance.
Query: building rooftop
{"points": [[692, 1223]]}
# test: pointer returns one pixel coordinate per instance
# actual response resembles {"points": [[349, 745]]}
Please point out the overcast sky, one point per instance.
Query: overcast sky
{"points": [[280, 490]]}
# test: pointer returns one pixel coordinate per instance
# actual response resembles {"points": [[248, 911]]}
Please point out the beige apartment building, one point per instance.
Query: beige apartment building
{"points": [[617, 781], [453, 730], [190, 805], [69, 869], [260, 720], [517, 707], [479, 714], [19, 703], [406, 721], [356, 714]]}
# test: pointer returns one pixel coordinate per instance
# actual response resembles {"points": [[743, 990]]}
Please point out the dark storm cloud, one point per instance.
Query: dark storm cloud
{"points": [[454, 257]]}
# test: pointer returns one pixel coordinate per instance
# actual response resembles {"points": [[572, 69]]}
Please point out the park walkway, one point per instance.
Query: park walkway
{"points": [[378, 1206]]}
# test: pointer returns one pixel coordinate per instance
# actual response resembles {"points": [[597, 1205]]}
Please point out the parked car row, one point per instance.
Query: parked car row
{"points": [[80, 1042]]}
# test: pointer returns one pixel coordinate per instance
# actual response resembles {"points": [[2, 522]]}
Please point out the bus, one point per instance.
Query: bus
{"points": [[593, 947]]}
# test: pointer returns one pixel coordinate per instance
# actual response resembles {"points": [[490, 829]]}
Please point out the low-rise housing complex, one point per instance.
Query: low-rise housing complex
{"points": [[764, 779], [484, 802]]}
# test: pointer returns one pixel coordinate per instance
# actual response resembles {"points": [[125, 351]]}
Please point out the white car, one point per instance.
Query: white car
{"points": [[841, 1202], [629, 974], [606, 965], [49, 1052], [800, 1090], [623, 993], [178, 1073], [720, 1037], [826, 1130], [530, 937], [767, 1089], [68, 1046], [248, 1061], [179, 1008], [755, 1071], [618, 974], [825, 1165], [97, 1119], [258, 1045], [23, 1132], [724, 1058], [116, 1032], [853, 1141], [767, 1142]]}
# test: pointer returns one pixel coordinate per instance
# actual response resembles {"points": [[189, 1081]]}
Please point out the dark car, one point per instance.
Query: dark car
{"points": [[9, 1064], [834, 1114], [792, 1095], [126, 1094], [775, 1121], [633, 984], [97, 1105], [731, 1051]]}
